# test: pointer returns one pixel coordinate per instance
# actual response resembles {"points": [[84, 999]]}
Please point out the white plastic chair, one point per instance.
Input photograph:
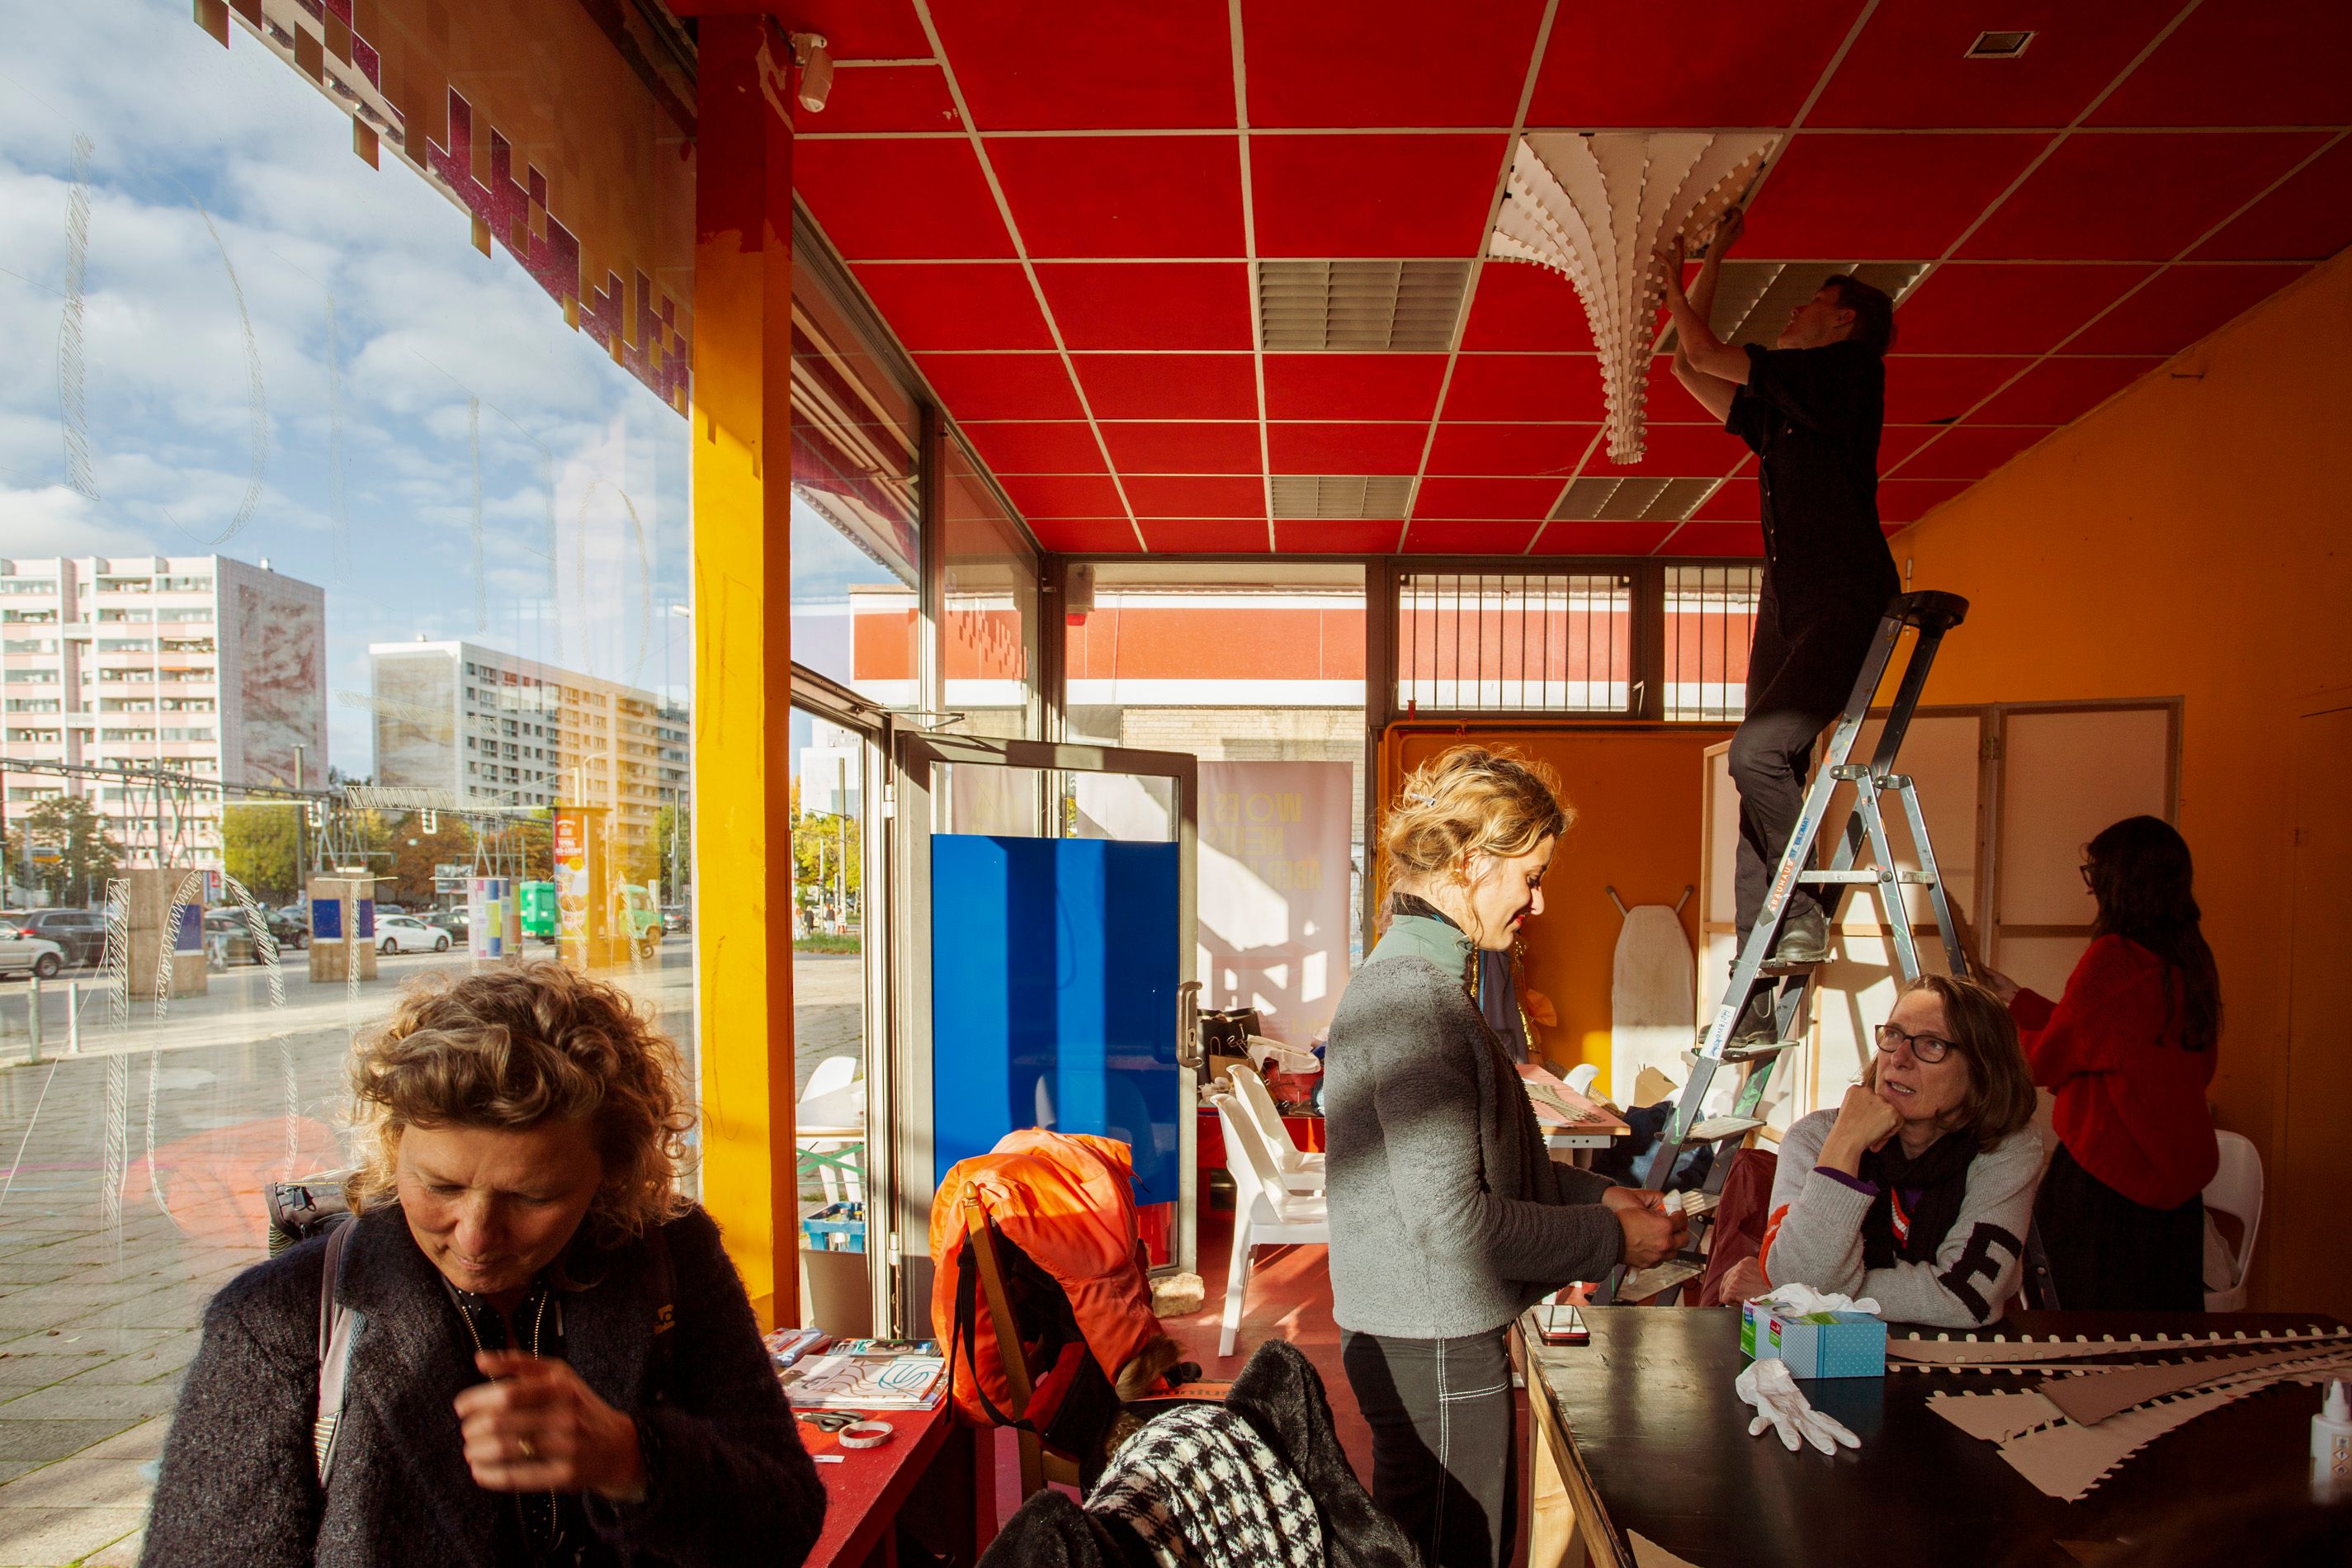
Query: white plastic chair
{"points": [[832, 1075], [1264, 1215], [1301, 1171], [2236, 1190]]}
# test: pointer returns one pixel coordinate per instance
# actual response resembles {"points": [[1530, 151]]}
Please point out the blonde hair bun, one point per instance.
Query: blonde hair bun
{"points": [[1469, 800]]}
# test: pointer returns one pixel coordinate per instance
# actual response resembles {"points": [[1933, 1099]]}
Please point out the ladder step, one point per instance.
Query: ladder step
{"points": [[1852, 878], [1722, 1128], [1757, 1052], [1640, 1284]]}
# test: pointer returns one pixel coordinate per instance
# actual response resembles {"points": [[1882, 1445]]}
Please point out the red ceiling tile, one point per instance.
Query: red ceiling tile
{"points": [[853, 29], [1736, 541], [1601, 538], [1123, 195], [1080, 64], [2249, 62], [884, 98], [1190, 448], [1525, 309], [2059, 390], [1349, 537], [1159, 495], [1086, 536], [1526, 386], [1880, 197], [1554, 449], [1003, 386], [1969, 451], [2180, 307], [1373, 196], [1024, 447], [1354, 447], [1712, 62], [1895, 442], [1910, 67], [2309, 218], [1352, 386], [1684, 451], [1908, 500], [1063, 495], [1314, 64], [1170, 386], [1668, 400], [1928, 389], [958, 305], [1468, 537], [2128, 197], [1525, 499], [1174, 305], [886, 199], [1197, 536], [2006, 308]]}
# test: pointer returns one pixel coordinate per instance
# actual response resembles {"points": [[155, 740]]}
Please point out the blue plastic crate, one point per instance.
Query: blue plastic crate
{"points": [[836, 1227]]}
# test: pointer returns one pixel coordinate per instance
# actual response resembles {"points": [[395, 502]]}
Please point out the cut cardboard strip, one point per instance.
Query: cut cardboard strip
{"points": [[2092, 1398], [1995, 1417], [1648, 1554]]}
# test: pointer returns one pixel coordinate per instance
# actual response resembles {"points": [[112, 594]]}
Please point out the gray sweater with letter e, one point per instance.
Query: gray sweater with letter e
{"points": [[1448, 1216]]}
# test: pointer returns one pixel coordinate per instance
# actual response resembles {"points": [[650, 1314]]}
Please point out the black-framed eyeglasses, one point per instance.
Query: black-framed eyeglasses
{"points": [[1927, 1047]]}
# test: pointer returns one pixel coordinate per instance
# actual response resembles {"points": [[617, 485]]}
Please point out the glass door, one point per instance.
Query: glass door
{"points": [[1045, 966]]}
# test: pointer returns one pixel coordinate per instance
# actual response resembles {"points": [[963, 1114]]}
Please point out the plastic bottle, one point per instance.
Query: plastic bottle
{"points": [[2331, 1444]]}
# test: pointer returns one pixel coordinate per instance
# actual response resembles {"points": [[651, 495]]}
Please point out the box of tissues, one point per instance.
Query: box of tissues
{"points": [[1815, 1344]]}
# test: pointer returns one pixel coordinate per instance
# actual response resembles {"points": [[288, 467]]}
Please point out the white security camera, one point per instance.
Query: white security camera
{"points": [[817, 69]]}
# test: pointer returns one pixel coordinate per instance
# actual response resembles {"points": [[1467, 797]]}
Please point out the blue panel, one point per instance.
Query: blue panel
{"points": [[327, 919], [367, 920], [1054, 973], [190, 937]]}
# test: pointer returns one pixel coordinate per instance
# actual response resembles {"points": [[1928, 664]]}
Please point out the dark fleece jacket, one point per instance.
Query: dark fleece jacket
{"points": [[728, 1480]]}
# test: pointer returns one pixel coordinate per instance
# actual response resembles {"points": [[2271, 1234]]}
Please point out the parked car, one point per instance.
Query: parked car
{"points": [[406, 934], [676, 917], [82, 933], [22, 955], [230, 935], [290, 926]]}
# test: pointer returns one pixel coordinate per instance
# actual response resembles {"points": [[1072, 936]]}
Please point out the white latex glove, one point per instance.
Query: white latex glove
{"points": [[1767, 1385], [1797, 1300]]}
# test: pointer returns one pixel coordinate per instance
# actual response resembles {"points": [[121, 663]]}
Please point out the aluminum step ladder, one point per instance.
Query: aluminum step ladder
{"points": [[1930, 614]]}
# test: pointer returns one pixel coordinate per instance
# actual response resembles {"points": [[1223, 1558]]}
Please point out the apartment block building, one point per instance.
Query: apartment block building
{"points": [[492, 729], [200, 666]]}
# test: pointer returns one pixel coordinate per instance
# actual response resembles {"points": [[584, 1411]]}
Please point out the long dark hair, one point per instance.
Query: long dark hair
{"points": [[2141, 876]]}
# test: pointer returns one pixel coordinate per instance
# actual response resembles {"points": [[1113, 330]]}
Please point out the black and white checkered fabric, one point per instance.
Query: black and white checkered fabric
{"points": [[1203, 1489]]}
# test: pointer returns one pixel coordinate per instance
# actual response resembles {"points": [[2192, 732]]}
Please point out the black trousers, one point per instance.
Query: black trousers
{"points": [[1799, 678], [2108, 1254], [1442, 1460]]}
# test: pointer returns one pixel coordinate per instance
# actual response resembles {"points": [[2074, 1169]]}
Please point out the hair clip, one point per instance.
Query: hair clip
{"points": [[1411, 799]]}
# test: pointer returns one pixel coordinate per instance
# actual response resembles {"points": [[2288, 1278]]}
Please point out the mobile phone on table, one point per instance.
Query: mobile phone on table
{"points": [[1560, 1324]]}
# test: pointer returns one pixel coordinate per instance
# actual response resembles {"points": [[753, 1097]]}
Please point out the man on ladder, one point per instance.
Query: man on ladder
{"points": [[1811, 409]]}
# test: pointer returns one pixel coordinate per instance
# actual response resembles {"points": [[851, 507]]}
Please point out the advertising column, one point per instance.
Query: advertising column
{"points": [[582, 896]]}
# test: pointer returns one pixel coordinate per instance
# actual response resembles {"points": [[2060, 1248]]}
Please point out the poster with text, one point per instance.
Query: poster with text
{"points": [[1273, 890]]}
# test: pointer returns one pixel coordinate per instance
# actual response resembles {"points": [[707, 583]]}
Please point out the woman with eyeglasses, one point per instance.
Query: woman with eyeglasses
{"points": [[2129, 1049], [1918, 1189]]}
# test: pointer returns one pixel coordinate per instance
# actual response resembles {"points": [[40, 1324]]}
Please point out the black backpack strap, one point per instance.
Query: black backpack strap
{"points": [[963, 1332]]}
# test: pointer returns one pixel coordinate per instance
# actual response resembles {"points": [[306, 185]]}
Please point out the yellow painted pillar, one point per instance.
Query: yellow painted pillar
{"points": [[743, 649]]}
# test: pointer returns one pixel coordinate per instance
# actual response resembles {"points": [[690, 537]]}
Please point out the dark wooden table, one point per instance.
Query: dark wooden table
{"points": [[1653, 1441]]}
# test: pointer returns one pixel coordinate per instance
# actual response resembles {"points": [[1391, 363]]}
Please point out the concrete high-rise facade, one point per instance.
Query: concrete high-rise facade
{"points": [[494, 730], [200, 666]]}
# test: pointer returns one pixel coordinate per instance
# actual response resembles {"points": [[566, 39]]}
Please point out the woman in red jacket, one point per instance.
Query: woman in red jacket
{"points": [[2129, 1050]]}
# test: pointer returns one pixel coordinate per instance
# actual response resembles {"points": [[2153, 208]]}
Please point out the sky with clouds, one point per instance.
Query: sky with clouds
{"points": [[224, 200]]}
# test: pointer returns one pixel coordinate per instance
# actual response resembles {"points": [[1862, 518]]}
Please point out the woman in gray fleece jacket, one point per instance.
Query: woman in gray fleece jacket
{"points": [[1448, 1217]]}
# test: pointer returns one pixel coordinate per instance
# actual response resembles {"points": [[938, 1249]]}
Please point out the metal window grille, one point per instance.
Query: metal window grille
{"points": [[1710, 619], [1532, 642]]}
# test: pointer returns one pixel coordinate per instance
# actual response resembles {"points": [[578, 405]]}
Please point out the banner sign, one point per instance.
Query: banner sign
{"points": [[1273, 889]]}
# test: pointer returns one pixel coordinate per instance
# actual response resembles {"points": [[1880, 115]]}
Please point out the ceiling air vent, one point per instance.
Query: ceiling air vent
{"points": [[1602, 499], [1338, 497], [2000, 46], [1365, 306], [1753, 299]]}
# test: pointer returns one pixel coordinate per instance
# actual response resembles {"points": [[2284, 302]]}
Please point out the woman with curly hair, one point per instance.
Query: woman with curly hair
{"points": [[555, 1363]]}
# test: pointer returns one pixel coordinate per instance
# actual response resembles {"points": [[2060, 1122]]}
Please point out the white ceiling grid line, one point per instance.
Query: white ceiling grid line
{"points": [[1249, 246]]}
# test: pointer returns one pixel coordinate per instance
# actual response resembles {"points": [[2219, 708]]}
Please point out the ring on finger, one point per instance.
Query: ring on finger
{"points": [[526, 1448]]}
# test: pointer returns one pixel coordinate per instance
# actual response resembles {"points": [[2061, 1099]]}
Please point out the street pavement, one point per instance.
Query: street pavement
{"points": [[131, 1193]]}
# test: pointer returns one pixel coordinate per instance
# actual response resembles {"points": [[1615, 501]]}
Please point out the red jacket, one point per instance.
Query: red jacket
{"points": [[2131, 1099]]}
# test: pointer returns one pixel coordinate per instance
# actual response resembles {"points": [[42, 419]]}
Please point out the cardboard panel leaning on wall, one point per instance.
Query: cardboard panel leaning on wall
{"points": [[1637, 798]]}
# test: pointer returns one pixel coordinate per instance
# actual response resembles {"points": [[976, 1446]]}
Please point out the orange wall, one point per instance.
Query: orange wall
{"points": [[2190, 539], [1636, 794]]}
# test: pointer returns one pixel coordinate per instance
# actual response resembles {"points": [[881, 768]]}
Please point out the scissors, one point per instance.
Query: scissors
{"points": [[829, 1420]]}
